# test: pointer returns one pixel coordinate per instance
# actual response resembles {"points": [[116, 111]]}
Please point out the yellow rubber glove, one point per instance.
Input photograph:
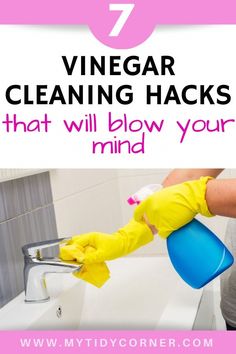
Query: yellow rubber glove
{"points": [[173, 207], [95, 274], [107, 246]]}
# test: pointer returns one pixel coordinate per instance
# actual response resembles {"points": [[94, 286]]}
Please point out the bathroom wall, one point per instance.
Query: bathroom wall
{"points": [[26, 215], [86, 200]]}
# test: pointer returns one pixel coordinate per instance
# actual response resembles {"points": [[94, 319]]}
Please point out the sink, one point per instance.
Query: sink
{"points": [[142, 293], [62, 311]]}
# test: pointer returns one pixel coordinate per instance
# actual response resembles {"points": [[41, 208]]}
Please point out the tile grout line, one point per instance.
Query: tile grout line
{"points": [[114, 179], [85, 189], [28, 212]]}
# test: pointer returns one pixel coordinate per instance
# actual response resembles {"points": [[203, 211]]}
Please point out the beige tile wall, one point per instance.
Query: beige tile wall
{"points": [[85, 200]]}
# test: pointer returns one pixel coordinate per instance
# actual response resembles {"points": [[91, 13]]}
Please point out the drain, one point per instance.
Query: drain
{"points": [[59, 312]]}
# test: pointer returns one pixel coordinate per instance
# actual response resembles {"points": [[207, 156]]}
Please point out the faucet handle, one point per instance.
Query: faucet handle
{"points": [[33, 249]]}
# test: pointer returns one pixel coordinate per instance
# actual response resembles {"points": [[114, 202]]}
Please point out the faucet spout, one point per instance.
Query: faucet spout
{"points": [[36, 268]]}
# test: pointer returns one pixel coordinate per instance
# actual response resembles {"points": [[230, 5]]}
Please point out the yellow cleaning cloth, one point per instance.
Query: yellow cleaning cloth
{"points": [[96, 274]]}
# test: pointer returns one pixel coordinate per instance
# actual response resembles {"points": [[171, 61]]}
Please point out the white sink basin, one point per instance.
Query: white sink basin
{"points": [[143, 293], [62, 311]]}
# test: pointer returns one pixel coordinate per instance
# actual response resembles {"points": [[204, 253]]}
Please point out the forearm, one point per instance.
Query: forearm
{"points": [[220, 194], [181, 175], [221, 197]]}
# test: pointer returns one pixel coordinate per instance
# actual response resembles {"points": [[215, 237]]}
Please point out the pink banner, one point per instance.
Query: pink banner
{"points": [[107, 342], [119, 23]]}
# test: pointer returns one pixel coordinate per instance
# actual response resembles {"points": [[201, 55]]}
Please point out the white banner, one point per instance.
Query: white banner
{"points": [[67, 101]]}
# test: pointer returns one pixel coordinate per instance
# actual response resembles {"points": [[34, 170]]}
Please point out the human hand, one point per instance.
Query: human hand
{"points": [[104, 247], [173, 207]]}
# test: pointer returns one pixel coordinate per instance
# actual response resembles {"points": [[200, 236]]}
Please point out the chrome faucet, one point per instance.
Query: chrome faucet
{"points": [[36, 267]]}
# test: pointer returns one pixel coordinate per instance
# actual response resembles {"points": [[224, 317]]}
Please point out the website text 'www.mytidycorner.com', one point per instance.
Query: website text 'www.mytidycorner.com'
{"points": [[115, 342]]}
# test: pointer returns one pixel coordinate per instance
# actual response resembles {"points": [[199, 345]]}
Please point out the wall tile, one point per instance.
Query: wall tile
{"points": [[14, 173], [69, 182], [95, 209], [24, 194], [142, 172]]}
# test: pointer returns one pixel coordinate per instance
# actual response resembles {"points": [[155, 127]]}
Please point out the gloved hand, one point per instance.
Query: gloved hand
{"points": [[107, 246], [95, 274], [173, 207]]}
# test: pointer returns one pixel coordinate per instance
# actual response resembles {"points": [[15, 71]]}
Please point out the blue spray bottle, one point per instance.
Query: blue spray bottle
{"points": [[196, 253]]}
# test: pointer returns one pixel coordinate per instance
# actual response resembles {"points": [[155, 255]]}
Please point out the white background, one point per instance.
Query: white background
{"points": [[32, 55]]}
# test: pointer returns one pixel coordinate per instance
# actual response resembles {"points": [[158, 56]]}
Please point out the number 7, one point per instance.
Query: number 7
{"points": [[126, 10]]}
